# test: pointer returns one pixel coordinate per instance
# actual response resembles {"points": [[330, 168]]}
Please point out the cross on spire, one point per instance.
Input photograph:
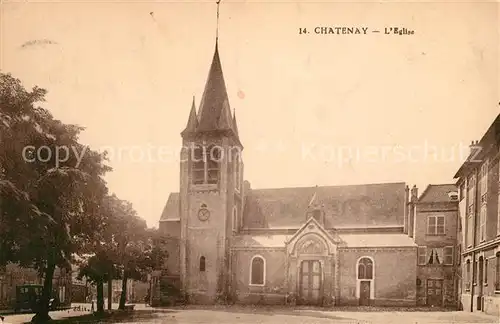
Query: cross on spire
{"points": [[217, 29]]}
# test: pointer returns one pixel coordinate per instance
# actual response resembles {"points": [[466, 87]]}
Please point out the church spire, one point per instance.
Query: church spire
{"points": [[235, 125], [217, 27], [192, 123], [214, 113]]}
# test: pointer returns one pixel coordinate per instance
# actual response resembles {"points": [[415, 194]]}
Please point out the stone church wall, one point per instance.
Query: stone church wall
{"points": [[394, 275], [273, 292]]}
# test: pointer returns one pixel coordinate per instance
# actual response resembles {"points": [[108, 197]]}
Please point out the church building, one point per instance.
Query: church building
{"points": [[325, 246]]}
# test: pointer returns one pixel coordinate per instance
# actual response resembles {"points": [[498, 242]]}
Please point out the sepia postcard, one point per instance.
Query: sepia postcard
{"points": [[231, 161]]}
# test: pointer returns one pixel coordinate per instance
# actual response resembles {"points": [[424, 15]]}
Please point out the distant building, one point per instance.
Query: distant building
{"points": [[13, 275], [343, 245], [80, 288], [433, 225], [478, 182]]}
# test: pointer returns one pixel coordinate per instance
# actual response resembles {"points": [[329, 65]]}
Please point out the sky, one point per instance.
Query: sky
{"points": [[312, 109]]}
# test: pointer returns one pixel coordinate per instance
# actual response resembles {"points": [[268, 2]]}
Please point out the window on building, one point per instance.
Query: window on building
{"points": [[257, 271], [480, 270], [486, 271], [471, 184], [470, 230], [474, 278], [483, 177], [435, 256], [459, 254], [462, 191], [62, 294], [435, 225], [467, 275], [482, 224], [498, 215], [448, 255], [198, 165], [206, 164], [497, 281], [214, 158], [422, 255], [202, 264], [235, 219], [365, 268], [237, 170]]}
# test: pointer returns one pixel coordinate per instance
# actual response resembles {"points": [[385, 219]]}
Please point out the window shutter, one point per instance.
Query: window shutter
{"points": [[422, 257]]}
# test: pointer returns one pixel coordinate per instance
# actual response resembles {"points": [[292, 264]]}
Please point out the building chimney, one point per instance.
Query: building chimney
{"points": [[473, 147], [412, 211], [414, 194]]}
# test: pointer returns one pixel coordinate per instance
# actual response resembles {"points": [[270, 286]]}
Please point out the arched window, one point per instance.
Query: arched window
{"points": [[497, 283], [257, 270], [235, 219], [206, 164], [202, 264], [365, 268]]}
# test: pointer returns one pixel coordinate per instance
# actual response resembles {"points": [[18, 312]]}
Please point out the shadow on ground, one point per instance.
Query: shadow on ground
{"points": [[136, 316]]}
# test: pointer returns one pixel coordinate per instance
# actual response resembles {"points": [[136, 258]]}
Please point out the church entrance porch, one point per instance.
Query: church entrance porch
{"points": [[310, 292], [310, 265]]}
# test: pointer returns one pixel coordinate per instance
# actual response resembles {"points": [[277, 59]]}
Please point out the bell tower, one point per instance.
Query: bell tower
{"points": [[211, 176]]}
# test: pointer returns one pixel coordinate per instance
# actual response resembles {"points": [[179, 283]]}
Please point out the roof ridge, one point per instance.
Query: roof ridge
{"points": [[332, 186]]}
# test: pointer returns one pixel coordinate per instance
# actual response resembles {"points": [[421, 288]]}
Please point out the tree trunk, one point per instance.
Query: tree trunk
{"points": [[110, 292], [100, 296], [42, 307], [123, 296]]}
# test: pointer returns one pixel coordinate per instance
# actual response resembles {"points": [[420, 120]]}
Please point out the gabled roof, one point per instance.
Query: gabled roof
{"points": [[344, 206], [437, 193], [171, 209], [369, 204], [489, 141]]}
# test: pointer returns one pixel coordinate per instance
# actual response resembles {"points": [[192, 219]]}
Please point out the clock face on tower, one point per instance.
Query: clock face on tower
{"points": [[203, 214]]}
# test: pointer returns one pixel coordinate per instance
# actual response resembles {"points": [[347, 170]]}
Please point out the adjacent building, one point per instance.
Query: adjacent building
{"points": [[372, 244], [13, 276], [433, 225], [478, 183]]}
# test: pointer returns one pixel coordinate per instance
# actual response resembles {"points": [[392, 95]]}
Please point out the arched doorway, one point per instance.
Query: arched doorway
{"points": [[311, 282], [311, 254], [364, 275]]}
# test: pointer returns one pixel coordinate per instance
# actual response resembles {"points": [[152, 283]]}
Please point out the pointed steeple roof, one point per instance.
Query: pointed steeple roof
{"points": [[235, 125], [214, 106], [192, 123]]}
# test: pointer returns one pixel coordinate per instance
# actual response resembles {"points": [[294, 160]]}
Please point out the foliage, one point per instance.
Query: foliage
{"points": [[51, 185], [54, 202]]}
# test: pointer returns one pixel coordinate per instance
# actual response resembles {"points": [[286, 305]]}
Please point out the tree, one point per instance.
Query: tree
{"points": [[141, 256], [130, 243], [51, 185], [98, 269]]}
